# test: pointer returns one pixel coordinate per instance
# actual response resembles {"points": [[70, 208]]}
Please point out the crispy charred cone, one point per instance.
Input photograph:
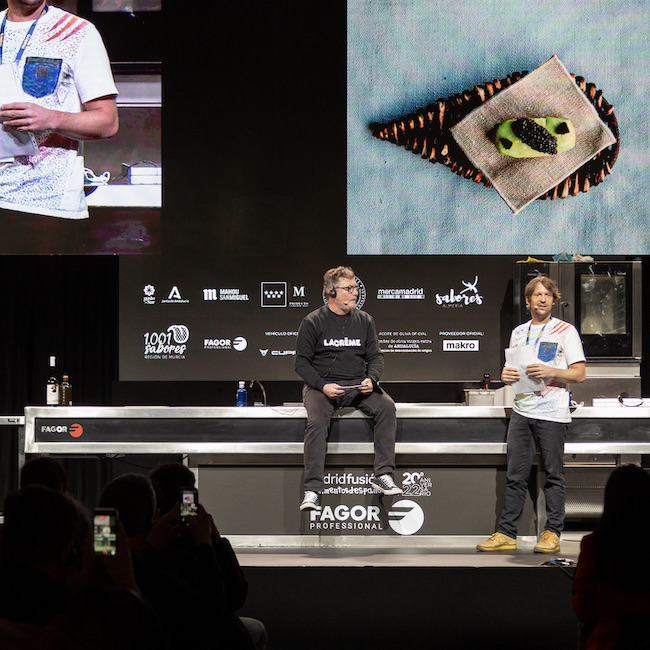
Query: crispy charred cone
{"points": [[594, 171], [426, 133]]}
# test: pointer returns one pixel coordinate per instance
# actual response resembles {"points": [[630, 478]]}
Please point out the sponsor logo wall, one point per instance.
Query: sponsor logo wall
{"points": [[435, 321]]}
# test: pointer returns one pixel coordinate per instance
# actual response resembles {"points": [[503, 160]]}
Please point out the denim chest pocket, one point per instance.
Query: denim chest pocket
{"points": [[547, 351], [41, 75]]}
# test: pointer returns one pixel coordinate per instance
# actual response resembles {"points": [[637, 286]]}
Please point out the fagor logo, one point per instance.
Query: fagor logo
{"points": [[240, 344], [343, 517], [405, 517], [76, 430]]}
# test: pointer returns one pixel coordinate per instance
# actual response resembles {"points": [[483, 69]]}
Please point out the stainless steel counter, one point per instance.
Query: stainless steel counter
{"points": [[422, 429], [450, 461]]}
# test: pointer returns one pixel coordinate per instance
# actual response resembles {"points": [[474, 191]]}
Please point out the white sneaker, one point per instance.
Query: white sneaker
{"points": [[310, 501], [385, 484]]}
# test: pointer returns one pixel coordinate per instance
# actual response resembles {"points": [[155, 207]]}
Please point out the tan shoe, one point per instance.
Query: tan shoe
{"points": [[548, 543], [498, 542]]}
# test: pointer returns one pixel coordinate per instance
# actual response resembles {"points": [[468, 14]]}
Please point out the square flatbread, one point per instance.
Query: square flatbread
{"points": [[548, 91]]}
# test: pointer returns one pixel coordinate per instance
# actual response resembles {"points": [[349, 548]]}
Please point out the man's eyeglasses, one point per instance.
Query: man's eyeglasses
{"points": [[349, 289]]}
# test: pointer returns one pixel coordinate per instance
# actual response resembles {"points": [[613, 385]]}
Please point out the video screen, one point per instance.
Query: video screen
{"points": [[80, 141], [429, 82]]}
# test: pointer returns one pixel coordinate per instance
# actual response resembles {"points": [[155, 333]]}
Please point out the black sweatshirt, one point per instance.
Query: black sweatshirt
{"points": [[334, 349]]}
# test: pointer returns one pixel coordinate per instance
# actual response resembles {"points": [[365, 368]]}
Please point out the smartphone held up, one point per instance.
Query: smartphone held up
{"points": [[189, 500], [105, 531]]}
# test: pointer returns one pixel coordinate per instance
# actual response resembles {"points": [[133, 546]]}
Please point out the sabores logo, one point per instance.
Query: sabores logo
{"points": [[467, 296]]}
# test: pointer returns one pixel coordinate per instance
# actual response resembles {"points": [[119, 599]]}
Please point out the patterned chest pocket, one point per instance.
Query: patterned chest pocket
{"points": [[41, 75], [547, 351]]}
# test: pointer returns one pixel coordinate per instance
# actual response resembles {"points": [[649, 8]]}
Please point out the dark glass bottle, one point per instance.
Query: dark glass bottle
{"points": [[66, 391]]}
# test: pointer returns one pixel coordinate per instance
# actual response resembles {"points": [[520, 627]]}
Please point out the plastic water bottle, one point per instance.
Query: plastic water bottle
{"points": [[242, 395]]}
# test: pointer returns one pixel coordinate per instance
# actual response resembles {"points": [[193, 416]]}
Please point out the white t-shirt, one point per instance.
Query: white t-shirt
{"points": [[64, 66], [558, 345]]}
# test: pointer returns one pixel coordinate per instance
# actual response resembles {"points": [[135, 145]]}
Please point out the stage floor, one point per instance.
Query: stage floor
{"points": [[441, 552]]}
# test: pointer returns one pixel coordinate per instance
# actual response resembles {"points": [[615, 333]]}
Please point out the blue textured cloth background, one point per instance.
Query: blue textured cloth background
{"points": [[405, 54]]}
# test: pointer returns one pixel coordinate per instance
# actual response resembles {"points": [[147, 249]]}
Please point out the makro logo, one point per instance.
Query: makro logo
{"points": [[460, 346], [342, 517], [468, 296], [361, 297], [405, 517]]}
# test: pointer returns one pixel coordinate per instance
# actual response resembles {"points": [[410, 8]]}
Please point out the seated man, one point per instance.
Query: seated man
{"points": [[338, 356]]}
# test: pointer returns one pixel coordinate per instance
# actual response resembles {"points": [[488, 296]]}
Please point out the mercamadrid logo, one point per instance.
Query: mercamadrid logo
{"points": [[405, 517]]}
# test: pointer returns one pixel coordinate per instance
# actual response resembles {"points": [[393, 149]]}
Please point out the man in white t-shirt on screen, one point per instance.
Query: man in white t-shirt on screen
{"points": [[63, 69], [539, 417]]}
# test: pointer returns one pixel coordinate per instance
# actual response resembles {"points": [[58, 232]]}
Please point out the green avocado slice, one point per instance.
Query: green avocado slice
{"points": [[509, 144]]}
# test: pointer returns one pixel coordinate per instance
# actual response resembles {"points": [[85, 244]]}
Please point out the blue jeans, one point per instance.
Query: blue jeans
{"points": [[524, 435]]}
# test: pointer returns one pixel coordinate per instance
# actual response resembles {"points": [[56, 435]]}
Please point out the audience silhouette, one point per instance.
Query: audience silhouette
{"points": [[54, 593], [611, 589], [172, 585], [168, 480], [184, 583], [44, 470]]}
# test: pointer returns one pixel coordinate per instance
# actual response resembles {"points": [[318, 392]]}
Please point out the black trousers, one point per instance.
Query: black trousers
{"points": [[320, 409]]}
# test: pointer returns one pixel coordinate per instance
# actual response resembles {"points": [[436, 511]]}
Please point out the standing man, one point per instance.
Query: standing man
{"points": [[338, 356], [540, 417], [61, 64]]}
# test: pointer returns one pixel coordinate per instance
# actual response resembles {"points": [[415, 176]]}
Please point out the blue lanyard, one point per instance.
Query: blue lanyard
{"points": [[26, 40], [539, 336]]}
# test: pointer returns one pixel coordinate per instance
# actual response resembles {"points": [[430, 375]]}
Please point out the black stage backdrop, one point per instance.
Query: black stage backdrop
{"points": [[54, 305]]}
